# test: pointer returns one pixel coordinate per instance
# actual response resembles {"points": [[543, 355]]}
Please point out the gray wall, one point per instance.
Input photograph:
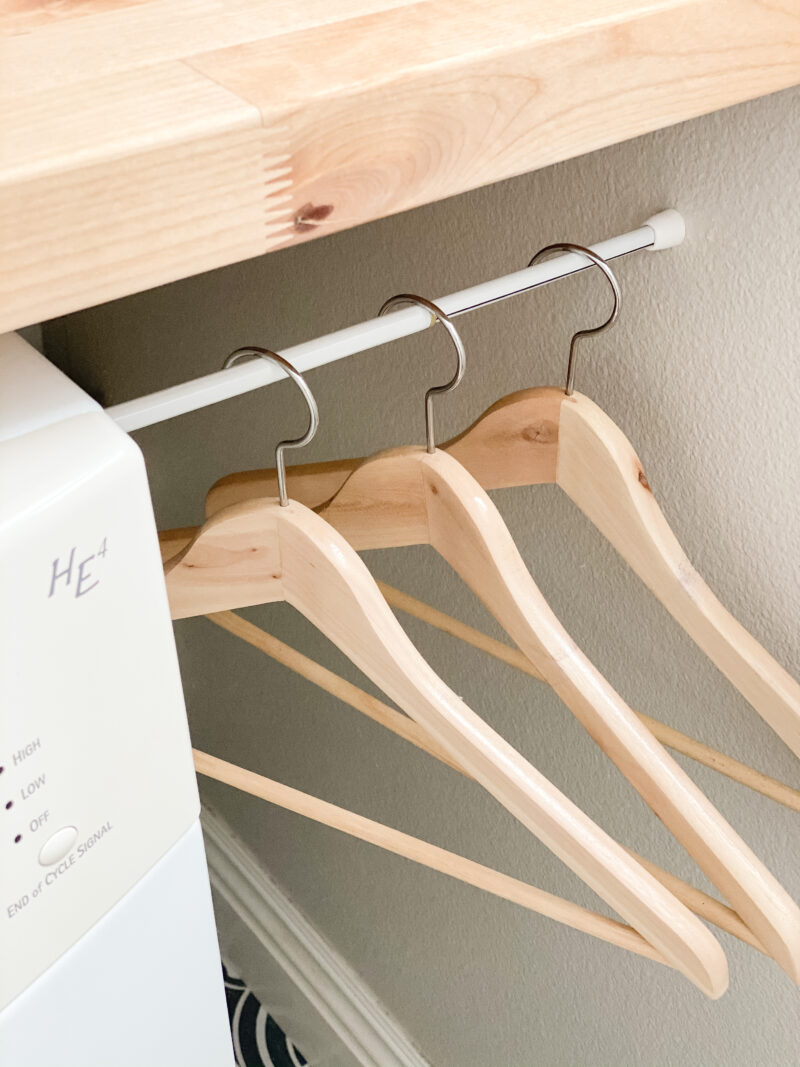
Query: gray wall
{"points": [[702, 374]]}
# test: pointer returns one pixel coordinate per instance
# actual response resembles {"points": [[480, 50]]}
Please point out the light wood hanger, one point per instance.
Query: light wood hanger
{"points": [[543, 436], [700, 903], [172, 541], [410, 496], [265, 551], [445, 507]]}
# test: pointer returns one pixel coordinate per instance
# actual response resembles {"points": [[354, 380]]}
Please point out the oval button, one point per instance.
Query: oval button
{"points": [[57, 846]]}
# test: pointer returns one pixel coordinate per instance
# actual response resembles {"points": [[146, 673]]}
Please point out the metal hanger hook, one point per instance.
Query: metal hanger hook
{"points": [[455, 337], [302, 385], [612, 318]]}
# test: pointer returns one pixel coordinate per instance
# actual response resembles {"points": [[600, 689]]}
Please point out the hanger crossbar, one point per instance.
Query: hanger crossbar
{"points": [[707, 907], [428, 855]]}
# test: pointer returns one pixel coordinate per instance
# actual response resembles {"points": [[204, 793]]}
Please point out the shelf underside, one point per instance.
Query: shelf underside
{"points": [[147, 141]]}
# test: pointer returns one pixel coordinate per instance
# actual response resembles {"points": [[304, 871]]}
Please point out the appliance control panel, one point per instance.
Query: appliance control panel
{"points": [[96, 776]]}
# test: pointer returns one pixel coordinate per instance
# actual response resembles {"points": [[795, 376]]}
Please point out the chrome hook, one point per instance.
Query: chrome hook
{"points": [[302, 385], [612, 318], [438, 315]]}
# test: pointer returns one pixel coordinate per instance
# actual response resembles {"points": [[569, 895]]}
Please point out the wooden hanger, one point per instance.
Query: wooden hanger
{"points": [[545, 436], [265, 550], [541, 436], [172, 541], [412, 496]]}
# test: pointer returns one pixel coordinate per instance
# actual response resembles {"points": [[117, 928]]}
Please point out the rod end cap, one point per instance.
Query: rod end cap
{"points": [[669, 229]]}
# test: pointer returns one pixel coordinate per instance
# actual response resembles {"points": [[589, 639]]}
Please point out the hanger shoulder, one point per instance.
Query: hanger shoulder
{"points": [[599, 470], [514, 442], [171, 542], [312, 484], [382, 503], [466, 529], [232, 561], [325, 579], [601, 473]]}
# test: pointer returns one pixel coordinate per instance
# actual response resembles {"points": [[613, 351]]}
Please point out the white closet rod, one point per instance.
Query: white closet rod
{"points": [[663, 230]]}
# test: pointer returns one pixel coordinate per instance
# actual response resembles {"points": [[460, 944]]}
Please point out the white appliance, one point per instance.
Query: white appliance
{"points": [[108, 951]]}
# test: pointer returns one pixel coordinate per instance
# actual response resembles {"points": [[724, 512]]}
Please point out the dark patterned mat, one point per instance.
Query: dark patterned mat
{"points": [[258, 1041]]}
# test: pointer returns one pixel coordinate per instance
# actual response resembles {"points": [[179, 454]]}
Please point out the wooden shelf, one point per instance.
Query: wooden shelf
{"points": [[148, 140]]}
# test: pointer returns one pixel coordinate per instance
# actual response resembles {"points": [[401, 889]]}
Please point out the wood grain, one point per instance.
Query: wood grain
{"points": [[130, 210], [366, 107]]}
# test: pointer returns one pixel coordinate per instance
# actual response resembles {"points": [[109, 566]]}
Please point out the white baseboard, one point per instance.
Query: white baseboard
{"points": [[259, 920]]}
